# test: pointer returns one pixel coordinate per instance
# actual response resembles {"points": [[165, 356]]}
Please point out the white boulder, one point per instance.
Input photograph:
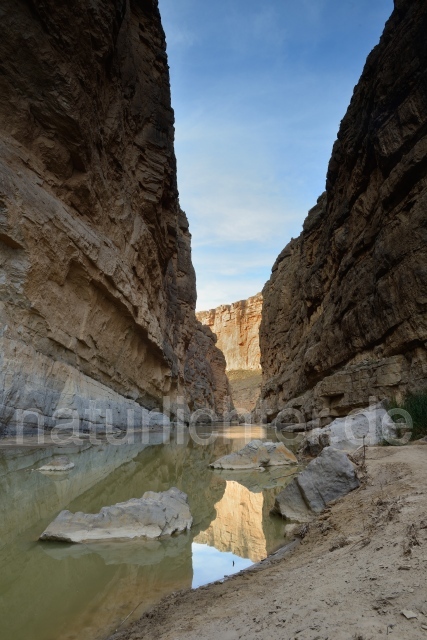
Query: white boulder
{"points": [[152, 516], [256, 454]]}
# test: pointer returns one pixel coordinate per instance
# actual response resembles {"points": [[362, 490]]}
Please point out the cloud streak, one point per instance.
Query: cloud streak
{"points": [[258, 91]]}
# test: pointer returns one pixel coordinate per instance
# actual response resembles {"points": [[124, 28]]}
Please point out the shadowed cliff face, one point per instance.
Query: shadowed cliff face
{"points": [[96, 280], [344, 310]]}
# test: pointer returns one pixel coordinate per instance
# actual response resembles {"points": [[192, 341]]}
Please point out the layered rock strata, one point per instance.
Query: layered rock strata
{"points": [[97, 288], [237, 329], [344, 315]]}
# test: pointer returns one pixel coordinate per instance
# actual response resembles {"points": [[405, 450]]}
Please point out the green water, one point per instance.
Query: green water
{"points": [[51, 591]]}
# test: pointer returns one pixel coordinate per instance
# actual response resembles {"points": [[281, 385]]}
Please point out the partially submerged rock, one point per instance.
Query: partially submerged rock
{"points": [[61, 463], [279, 454], [152, 516], [256, 454], [328, 477]]}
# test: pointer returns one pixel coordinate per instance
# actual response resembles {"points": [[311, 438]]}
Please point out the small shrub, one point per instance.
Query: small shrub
{"points": [[416, 405]]}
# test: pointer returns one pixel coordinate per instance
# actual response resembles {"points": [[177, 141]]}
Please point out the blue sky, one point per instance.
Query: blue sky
{"points": [[259, 89]]}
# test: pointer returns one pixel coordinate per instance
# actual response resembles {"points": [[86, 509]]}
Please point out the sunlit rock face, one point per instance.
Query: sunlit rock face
{"points": [[236, 327], [238, 526], [344, 310], [97, 288]]}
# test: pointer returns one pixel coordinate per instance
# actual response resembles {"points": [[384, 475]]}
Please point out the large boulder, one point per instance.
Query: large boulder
{"points": [[152, 516], [370, 426], [328, 477], [256, 454]]}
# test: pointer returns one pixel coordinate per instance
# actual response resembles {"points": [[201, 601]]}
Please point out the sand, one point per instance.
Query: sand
{"points": [[359, 566]]}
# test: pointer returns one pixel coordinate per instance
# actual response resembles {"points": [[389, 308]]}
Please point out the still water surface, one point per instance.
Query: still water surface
{"points": [[52, 591]]}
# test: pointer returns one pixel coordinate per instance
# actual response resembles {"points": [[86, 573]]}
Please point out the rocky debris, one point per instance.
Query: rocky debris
{"points": [[97, 286], [338, 324], [61, 463], [328, 477], [256, 454], [152, 516], [237, 329]]}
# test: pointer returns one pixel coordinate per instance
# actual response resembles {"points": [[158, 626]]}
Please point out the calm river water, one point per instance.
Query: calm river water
{"points": [[52, 591]]}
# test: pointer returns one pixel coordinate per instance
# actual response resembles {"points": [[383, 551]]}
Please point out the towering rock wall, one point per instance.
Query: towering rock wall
{"points": [[237, 329], [344, 313], [97, 288]]}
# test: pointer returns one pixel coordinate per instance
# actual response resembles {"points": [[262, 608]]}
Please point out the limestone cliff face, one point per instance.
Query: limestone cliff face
{"points": [[97, 288], [345, 308], [237, 327]]}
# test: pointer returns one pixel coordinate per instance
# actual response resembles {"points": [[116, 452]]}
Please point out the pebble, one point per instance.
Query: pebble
{"points": [[409, 615]]}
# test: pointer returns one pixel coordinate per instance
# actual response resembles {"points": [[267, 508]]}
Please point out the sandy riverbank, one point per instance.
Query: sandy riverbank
{"points": [[359, 566]]}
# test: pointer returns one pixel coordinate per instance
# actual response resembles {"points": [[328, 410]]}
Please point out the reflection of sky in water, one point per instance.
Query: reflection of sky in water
{"points": [[210, 565]]}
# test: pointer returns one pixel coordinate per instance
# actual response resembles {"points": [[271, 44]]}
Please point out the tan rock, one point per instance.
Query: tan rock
{"points": [[344, 310], [237, 329], [97, 288]]}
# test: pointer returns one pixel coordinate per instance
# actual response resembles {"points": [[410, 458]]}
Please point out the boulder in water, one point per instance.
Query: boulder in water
{"points": [[256, 454], [152, 516]]}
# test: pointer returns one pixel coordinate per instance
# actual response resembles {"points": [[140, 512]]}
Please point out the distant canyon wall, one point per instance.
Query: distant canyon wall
{"points": [[97, 287], [237, 329], [344, 314]]}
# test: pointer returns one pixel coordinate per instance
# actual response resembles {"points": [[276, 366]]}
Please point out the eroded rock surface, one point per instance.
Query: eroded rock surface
{"points": [[344, 310], [237, 329], [152, 516], [97, 288], [328, 477], [256, 454]]}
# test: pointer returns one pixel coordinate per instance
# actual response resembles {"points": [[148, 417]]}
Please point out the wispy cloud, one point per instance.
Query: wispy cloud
{"points": [[259, 90]]}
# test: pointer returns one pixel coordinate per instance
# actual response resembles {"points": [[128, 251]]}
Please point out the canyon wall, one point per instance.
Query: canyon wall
{"points": [[97, 288], [237, 329], [344, 314]]}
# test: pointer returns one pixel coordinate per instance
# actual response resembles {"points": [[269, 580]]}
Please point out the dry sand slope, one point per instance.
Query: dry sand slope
{"points": [[359, 566]]}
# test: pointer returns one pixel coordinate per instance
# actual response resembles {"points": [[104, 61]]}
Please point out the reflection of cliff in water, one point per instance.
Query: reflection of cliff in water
{"points": [[70, 591], [242, 524], [238, 526]]}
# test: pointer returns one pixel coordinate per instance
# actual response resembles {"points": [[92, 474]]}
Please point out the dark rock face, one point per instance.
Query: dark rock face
{"points": [[97, 288], [344, 313]]}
